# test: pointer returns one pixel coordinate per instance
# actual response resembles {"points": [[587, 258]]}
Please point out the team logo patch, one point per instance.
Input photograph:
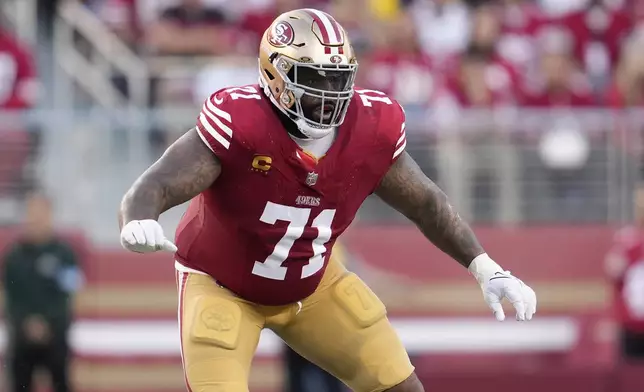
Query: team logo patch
{"points": [[281, 34], [335, 59], [218, 318], [311, 178]]}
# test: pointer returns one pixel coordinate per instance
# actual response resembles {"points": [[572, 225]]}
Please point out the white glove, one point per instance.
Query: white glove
{"points": [[144, 236], [497, 284]]}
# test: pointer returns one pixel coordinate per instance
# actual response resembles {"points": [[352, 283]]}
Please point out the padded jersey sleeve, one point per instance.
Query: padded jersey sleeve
{"points": [[393, 131], [388, 117], [389, 140], [214, 125], [222, 121]]}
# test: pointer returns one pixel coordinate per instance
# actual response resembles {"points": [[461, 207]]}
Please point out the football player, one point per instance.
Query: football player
{"points": [[275, 172]]}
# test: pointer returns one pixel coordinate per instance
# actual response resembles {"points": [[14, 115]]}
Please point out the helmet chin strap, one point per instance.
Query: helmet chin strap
{"points": [[306, 129], [312, 132]]}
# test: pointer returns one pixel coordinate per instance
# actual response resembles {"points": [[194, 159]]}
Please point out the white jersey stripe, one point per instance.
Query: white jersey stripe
{"points": [[402, 138], [328, 26], [217, 121], [203, 139], [400, 150], [212, 131], [218, 112]]}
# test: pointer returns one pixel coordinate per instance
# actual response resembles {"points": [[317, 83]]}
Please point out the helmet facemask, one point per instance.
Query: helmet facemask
{"points": [[315, 96]]}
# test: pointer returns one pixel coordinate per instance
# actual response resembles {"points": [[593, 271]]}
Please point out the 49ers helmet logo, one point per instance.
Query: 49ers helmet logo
{"points": [[281, 34]]}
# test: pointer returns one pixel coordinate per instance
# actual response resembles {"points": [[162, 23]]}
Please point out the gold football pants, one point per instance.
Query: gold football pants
{"points": [[342, 327]]}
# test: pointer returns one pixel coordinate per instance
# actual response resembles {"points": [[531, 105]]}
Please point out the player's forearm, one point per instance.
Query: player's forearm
{"points": [[185, 170], [443, 226], [144, 200], [406, 188]]}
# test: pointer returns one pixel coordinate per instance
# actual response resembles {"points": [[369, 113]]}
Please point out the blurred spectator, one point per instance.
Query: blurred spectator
{"points": [[561, 7], [625, 267], [627, 88], [521, 21], [443, 26], [477, 79], [122, 16], [18, 91], [562, 156], [486, 28], [398, 66], [598, 31], [128, 18], [191, 28], [360, 22], [18, 85], [558, 81], [40, 275]]}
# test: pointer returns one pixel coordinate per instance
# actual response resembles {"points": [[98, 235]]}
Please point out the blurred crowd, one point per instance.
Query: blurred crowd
{"points": [[439, 53], [442, 55], [431, 53]]}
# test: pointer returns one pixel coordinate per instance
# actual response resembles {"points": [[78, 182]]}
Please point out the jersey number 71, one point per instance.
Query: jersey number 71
{"points": [[297, 218]]}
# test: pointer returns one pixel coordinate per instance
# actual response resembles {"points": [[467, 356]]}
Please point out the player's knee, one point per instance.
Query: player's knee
{"points": [[411, 384]]}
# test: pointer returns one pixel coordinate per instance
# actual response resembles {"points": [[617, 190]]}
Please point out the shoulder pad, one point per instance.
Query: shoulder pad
{"points": [[224, 117], [390, 120]]}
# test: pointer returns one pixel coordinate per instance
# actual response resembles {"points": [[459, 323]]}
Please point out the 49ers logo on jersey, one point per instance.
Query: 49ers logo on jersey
{"points": [[281, 35]]}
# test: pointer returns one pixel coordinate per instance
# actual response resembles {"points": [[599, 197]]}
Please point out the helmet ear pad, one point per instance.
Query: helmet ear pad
{"points": [[277, 88], [287, 99]]}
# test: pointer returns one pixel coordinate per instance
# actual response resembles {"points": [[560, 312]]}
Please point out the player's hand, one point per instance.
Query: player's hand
{"points": [[144, 236], [520, 295], [498, 284]]}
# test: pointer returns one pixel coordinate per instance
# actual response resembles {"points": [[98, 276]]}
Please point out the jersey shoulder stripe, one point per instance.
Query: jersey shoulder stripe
{"points": [[401, 143], [211, 127], [224, 114]]}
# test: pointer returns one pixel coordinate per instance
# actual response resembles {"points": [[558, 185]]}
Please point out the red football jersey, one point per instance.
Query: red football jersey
{"points": [[266, 227]]}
